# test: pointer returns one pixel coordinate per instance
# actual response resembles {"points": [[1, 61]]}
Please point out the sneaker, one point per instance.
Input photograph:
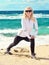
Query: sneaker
{"points": [[8, 53], [33, 55]]}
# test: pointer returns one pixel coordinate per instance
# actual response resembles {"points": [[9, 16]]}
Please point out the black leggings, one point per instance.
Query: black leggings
{"points": [[18, 39]]}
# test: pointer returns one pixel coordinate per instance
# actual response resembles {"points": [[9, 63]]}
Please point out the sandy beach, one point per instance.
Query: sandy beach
{"points": [[21, 54]]}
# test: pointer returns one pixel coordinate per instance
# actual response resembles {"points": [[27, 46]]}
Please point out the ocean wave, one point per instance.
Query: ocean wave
{"points": [[19, 16], [9, 31], [41, 15], [47, 26], [11, 17]]}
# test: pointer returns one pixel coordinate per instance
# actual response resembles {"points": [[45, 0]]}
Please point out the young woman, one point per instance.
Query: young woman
{"points": [[28, 32]]}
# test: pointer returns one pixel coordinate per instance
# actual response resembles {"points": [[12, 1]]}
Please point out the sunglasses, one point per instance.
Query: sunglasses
{"points": [[28, 11]]}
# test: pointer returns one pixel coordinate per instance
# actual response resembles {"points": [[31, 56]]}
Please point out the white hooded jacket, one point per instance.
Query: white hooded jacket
{"points": [[29, 27]]}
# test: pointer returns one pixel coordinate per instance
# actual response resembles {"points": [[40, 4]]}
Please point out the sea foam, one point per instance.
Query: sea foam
{"points": [[20, 16]]}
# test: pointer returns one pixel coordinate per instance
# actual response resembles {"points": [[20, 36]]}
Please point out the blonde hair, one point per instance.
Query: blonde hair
{"points": [[25, 16]]}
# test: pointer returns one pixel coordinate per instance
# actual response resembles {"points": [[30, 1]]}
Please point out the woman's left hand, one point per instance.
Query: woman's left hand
{"points": [[32, 37]]}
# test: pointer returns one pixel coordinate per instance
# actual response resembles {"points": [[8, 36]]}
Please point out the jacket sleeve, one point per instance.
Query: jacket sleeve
{"points": [[23, 24], [36, 27]]}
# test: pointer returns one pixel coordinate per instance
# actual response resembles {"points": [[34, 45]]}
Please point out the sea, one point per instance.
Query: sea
{"points": [[10, 24]]}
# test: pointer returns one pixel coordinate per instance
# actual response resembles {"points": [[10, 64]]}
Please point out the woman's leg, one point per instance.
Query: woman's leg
{"points": [[16, 41], [32, 46], [26, 39]]}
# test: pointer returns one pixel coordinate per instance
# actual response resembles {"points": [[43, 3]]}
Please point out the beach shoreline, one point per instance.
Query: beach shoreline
{"points": [[39, 40]]}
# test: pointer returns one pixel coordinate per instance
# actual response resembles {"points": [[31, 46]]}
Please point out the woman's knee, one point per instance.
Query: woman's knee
{"points": [[17, 40]]}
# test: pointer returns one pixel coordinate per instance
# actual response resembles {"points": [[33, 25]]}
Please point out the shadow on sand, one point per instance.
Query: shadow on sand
{"points": [[23, 55], [28, 56], [41, 58]]}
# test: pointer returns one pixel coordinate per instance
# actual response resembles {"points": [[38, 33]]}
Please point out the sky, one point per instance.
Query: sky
{"points": [[21, 4]]}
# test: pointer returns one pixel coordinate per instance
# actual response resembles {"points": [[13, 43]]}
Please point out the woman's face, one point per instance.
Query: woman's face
{"points": [[28, 12]]}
